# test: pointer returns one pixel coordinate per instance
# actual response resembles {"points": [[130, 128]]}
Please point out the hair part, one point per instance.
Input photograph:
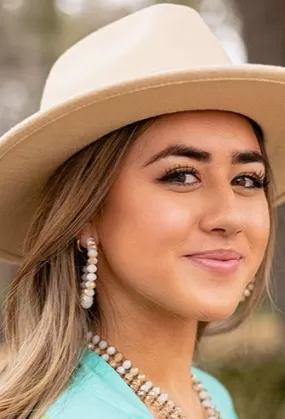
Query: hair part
{"points": [[44, 323]]}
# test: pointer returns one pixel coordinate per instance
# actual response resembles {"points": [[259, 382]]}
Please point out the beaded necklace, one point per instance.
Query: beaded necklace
{"points": [[144, 389]]}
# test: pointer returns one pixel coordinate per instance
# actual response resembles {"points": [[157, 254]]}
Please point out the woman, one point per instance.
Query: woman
{"points": [[139, 203]]}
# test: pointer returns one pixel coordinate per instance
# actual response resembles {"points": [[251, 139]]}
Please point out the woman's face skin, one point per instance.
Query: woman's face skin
{"points": [[186, 224]]}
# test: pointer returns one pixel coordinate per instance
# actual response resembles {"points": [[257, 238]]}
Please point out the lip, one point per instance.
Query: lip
{"points": [[222, 261]]}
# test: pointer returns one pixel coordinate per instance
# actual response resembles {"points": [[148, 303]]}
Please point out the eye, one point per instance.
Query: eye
{"points": [[251, 181], [181, 176]]}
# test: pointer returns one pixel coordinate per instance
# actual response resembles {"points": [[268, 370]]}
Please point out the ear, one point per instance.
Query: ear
{"points": [[89, 230]]}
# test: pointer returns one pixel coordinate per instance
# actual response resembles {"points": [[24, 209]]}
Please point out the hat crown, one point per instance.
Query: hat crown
{"points": [[159, 39]]}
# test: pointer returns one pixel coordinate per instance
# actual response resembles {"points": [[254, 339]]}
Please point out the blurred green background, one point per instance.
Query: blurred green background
{"points": [[33, 33]]}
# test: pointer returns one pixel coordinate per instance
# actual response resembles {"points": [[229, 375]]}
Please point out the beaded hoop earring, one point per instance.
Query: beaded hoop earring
{"points": [[88, 283], [248, 291]]}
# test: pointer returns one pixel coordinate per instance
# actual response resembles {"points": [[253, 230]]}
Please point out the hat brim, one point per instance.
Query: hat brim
{"points": [[31, 151]]}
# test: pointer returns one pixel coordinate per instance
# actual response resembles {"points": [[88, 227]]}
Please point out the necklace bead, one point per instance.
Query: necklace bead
{"points": [[144, 389], [111, 350]]}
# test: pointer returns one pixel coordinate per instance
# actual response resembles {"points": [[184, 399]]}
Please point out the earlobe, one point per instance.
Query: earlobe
{"points": [[89, 230]]}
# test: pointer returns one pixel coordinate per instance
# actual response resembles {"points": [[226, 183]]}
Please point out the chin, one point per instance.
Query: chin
{"points": [[212, 313], [207, 311]]}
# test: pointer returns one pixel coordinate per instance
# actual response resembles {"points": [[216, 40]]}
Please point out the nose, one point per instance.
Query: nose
{"points": [[223, 214]]}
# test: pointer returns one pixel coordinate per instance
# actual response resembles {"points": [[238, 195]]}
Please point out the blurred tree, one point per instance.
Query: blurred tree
{"points": [[27, 51], [264, 35], [42, 23], [264, 30]]}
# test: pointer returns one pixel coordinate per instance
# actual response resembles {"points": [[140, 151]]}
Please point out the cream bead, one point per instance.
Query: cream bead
{"points": [[118, 357], [146, 386], [163, 397], [91, 268], [134, 371], [92, 261], [127, 364], [206, 403], [121, 370], [87, 298], [246, 293], [96, 339], [170, 404], [86, 304], [91, 276], [90, 285], [177, 411], [90, 293], [92, 253], [198, 387], [90, 242], [203, 395], [90, 346], [111, 350], [156, 390], [103, 344]]}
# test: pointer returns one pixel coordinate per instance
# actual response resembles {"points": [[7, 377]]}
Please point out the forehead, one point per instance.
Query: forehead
{"points": [[213, 131]]}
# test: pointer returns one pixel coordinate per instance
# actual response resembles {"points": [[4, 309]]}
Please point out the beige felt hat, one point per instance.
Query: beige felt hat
{"points": [[159, 60]]}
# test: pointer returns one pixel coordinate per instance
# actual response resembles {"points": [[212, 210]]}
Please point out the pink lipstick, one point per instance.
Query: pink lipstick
{"points": [[220, 261]]}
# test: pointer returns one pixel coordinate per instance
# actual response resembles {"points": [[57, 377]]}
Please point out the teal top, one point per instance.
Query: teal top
{"points": [[98, 392]]}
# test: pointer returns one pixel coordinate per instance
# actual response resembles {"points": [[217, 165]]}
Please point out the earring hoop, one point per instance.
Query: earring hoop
{"points": [[78, 246], [88, 283]]}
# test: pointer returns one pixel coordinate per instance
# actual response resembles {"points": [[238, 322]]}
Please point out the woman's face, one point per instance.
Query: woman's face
{"points": [[186, 224]]}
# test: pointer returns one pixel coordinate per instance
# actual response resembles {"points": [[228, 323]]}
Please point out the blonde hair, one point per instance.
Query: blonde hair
{"points": [[45, 326]]}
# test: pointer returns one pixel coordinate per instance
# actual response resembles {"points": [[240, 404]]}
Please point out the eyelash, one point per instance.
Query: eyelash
{"points": [[171, 173], [259, 179]]}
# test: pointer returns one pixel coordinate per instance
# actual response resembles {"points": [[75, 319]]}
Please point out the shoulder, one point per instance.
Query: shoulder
{"points": [[219, 394]]}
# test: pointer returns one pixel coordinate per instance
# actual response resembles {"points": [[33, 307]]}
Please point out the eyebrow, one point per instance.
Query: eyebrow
{"points": [[244, 157], [203, 156], [181, 151]]}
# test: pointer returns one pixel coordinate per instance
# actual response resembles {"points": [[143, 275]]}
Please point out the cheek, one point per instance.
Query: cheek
{"points": [[258, 229], [141, 228]]}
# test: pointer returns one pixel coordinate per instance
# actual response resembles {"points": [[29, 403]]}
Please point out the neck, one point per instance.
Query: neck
{"points": [[159, 343]]}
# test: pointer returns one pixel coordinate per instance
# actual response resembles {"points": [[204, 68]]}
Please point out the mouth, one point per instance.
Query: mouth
{"points": [[217, 261]]}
